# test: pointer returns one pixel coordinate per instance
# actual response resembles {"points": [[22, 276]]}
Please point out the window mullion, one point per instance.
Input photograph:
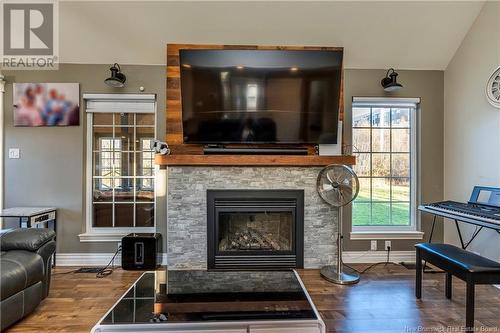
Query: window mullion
{"points": [[113, 184], [411, 148], [134, 180], [371, 165], [390, 166]]}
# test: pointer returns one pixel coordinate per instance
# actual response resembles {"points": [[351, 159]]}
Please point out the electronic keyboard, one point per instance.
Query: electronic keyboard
{"points": [[471, 211], [483, 208]]}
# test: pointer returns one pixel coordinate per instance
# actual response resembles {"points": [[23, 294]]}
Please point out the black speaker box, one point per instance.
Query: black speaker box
{"points": [[141, 251]]}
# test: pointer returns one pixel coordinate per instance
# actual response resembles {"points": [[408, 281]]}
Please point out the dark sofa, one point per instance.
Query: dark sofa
{"points": [[25, 267]]}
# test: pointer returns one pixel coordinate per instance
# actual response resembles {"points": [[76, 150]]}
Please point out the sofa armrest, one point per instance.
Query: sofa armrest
{"points": [[46, 251], [31, 239]]}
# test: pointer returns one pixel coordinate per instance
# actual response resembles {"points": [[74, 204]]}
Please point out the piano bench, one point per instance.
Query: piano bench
{"points": [[467, 266]]}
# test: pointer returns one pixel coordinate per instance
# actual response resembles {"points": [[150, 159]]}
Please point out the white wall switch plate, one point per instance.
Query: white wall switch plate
{"points": [[13, 152], [373, 245], [387, 245]]}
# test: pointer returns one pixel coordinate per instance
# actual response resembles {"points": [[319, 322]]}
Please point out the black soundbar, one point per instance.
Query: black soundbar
{"points": [[254, 151]]}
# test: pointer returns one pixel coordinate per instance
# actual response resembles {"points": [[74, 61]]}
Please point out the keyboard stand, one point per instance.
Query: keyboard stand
{"points": [[424, 267], [464, 245]]}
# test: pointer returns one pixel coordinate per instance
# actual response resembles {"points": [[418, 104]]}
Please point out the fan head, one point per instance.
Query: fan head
{"points": [[337, 185]]}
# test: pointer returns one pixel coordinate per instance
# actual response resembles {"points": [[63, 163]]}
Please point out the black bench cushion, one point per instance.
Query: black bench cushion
{"points": [[467, 260]]}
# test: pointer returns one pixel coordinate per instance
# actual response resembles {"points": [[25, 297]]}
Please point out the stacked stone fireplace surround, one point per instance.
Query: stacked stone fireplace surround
{"points": [[187, 209]]}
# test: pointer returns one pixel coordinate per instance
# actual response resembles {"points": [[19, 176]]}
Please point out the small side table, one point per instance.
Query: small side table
{"points": [[33, 217]]}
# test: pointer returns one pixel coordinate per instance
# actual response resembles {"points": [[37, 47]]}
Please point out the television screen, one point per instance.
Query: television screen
{"points": [[46, 104], [260, 96]]}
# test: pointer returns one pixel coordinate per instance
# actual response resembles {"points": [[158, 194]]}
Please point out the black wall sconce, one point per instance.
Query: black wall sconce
{"points": [[389, 82], [117, 78]]}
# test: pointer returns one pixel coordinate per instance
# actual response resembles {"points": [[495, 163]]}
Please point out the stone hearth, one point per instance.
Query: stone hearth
{"points": [[187, 209]]}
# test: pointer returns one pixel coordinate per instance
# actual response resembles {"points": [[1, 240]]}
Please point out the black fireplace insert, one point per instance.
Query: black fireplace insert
{"points": [[255, 229]]}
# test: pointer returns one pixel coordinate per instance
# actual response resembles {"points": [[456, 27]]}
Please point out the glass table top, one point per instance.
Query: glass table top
{"points": [[202, 296]]}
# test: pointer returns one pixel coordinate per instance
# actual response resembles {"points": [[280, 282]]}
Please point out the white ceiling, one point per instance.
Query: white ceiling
{"points": [[404, 35]]}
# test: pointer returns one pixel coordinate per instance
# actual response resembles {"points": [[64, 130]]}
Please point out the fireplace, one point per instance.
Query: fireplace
{"points": [[255, 229]]}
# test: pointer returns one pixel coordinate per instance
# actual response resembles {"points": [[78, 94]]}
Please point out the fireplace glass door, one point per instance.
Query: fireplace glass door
{"points": [[269, 230], [255, 229]]}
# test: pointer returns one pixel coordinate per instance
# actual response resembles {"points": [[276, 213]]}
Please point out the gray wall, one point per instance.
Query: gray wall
{"points": [[51, 170], [472, 125], [428, 85]]}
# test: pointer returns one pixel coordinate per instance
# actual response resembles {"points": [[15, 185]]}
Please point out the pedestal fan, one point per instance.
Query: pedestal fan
{"points": [[338, 185]]}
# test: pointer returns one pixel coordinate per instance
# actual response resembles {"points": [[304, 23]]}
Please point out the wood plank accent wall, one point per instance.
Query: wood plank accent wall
{"points": [[174, 134]]}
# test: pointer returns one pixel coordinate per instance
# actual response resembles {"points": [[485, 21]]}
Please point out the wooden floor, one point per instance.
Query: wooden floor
{"points": [[382, 302]]}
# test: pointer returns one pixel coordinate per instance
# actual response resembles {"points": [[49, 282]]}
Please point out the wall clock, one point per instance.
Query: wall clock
{"points": [[493, 89]]}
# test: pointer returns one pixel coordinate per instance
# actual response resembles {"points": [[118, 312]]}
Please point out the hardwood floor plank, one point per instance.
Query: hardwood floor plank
{"points": [[76, 301], [382, 302]]}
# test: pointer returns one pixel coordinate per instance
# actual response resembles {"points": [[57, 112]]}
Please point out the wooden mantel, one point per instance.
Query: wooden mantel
{"points": [[253, 160]]}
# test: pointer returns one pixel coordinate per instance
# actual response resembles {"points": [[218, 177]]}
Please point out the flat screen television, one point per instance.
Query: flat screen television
{"points": [[260, 96]]}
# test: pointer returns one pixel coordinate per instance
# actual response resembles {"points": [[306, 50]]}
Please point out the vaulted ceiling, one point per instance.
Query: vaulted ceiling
{"points": [[402, 34]]}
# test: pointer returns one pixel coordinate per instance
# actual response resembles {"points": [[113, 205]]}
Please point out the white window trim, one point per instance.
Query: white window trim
{"points": [[397, 232], [113, 234], [2, 91], [387, 235]]}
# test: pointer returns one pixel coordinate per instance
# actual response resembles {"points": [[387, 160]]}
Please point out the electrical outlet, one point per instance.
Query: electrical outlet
{"points": [[373, 245], [387, 245], [13, 152]]}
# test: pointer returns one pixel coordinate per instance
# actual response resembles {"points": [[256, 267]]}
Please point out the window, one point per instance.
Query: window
{"points": [[384, 137], [252, 90], [120, 170]]}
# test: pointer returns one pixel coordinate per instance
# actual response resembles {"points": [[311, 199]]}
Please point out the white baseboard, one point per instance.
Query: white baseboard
{"points": [[91, 259], [349, 257], [369, 257]]}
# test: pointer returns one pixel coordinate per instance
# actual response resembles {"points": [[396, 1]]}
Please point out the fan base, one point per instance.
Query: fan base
{"points": [[347, 276]]}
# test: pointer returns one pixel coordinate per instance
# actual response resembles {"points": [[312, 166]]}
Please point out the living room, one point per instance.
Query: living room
{"points": [[276, 163]]}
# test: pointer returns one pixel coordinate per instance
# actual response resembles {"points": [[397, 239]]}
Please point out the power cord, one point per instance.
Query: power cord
{"points": [[100, 271], [385, 263], [105, 271], [64, 273]]}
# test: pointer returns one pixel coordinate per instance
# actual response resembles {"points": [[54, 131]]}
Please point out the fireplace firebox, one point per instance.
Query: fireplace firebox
{"points": [[255, 229]]}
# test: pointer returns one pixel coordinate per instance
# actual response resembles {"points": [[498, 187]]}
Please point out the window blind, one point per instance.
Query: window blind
{"points": [[120, 103], [385, 102]]}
